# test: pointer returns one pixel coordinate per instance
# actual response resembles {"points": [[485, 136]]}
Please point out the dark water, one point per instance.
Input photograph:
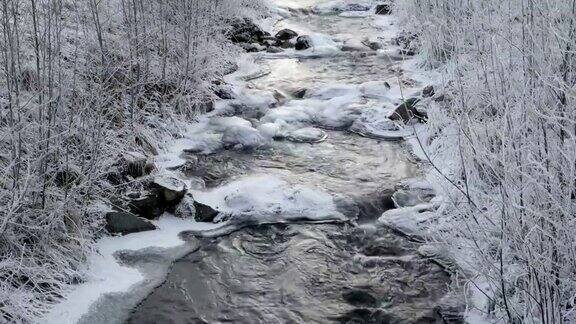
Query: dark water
{"points": [[300, 274]]}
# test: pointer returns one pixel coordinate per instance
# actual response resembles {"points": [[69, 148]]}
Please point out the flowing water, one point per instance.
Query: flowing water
{"points": [[352, 272]]}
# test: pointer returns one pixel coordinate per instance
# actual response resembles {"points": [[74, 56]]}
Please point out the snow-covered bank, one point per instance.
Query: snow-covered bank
{"points": [[502, 151], [106, 275]]}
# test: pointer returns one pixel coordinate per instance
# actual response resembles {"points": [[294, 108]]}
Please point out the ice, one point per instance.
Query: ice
{"points": [[418, 142], [294, 4], [376, 90], [338, 112], [288, 115], [197, 143], [221, 124], [354, 45], [270, 130]]}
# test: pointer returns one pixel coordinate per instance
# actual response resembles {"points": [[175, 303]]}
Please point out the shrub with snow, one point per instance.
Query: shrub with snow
{"points": [[505, 144]]}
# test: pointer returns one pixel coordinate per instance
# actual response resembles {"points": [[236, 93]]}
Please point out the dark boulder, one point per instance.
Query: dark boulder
{"points": [[286, 34], [148, 205], [303, 42], [383, 9], [372, 45], [354, 7], [126, 223], [204, 213], [407, 112], [241, 37], [253, 47], [299, 93], [134, 164], [245, 31], [204, 106], [360, 298], [269, 41], [186, 209], [428, 91], [225, 93], [170, 189], [285, 43], [161, 194]]}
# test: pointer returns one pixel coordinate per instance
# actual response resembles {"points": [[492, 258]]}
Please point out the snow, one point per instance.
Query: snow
{"points": [[411, 221], [243, 137], [337, 6], [355, 14], [270, 130], [307, 135], [288, 115], [106, 275], [337, 112], [374, 121], [261, 199], [221, 124], [375, 90], [322, 45]]}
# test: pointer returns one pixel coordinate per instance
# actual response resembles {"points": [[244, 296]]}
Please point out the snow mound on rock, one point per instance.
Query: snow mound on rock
{"points": [[339, 112], [307, 135], [266, 199], [374, 123], [244, 137], [338, 6]]}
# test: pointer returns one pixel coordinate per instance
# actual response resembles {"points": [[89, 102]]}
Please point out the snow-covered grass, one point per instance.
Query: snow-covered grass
{"points": [[502, 146]]}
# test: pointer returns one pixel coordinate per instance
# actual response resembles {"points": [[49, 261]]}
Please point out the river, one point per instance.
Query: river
{"points": [[350, 271]]}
